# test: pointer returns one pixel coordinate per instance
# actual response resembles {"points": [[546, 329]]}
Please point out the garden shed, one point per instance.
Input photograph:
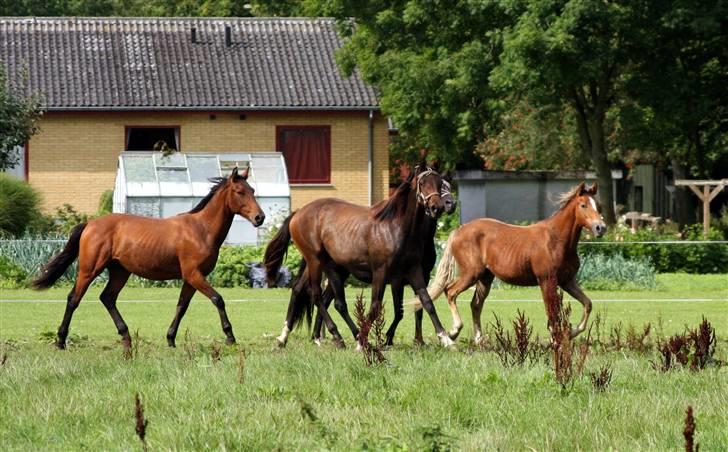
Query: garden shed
{"points": [[157, 185]]}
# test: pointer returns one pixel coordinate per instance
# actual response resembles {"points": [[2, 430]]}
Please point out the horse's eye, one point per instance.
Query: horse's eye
{"points": [[583, 206]]}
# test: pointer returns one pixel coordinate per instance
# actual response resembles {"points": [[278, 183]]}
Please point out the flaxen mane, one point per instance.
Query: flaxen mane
{"points": [[565, 197]]}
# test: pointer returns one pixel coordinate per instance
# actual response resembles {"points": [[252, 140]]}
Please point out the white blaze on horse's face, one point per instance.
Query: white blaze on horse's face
{"points": [[591, 217]]}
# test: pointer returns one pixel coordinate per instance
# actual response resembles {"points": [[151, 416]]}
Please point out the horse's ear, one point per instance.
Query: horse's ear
{"points": [[581, 189], [593, 189], [234, 174], [245, 173]]}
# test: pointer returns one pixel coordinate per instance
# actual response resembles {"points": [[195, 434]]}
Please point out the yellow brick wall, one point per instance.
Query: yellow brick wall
{"points": [[73, 158]]}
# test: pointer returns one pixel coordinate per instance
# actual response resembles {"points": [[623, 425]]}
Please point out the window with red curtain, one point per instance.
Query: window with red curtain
{"points": [[307, 151]]}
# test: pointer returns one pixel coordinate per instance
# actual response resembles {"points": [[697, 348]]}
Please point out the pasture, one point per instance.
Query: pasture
{"points": [[311, 398]]}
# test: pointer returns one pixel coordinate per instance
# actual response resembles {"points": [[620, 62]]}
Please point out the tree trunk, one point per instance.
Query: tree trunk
{"points": [[602, 168], [590, 124]]}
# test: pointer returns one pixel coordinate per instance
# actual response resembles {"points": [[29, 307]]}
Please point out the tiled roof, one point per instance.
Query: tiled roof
{"points": [[152, 63]]}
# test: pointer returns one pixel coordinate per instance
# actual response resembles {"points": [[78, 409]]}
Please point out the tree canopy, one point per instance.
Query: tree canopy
{"points": [[18, 120]]}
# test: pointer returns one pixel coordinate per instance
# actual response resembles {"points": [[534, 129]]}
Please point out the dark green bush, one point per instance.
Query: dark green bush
{"points": [[18, 205], [106, 202], [12, 275], [232, 268], [666, 258]]}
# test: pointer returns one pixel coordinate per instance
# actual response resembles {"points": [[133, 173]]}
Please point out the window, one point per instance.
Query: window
{"points": [[144, 138], [307, 152]]}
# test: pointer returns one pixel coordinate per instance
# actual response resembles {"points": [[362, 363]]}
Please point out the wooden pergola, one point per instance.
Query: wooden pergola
{"points": [[710, 189]]}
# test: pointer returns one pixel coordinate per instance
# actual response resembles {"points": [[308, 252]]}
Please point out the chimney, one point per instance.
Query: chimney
{"points": [[193, 35], [228, 36]]}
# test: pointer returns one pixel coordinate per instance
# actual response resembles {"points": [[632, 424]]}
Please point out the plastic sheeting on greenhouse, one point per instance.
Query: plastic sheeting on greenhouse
{"points": [[153, 185]]}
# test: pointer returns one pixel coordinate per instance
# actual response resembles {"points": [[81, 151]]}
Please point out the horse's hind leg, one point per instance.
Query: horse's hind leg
{"points": [[460, 285], [183, 303], [482, 289], [118, 276], [318, 330], [573, 289], [299, 285], [336, 281], [197, 280], [89, 267], [314, 286]]}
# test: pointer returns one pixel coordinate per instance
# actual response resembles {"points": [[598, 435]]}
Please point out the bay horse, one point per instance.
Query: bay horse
{"points": [[185, 246], [382, 245], [429, 257], [520, 255]]}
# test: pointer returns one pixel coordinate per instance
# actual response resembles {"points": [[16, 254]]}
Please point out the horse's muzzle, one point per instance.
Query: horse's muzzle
{"points": [[599, 229], [259, 219]]}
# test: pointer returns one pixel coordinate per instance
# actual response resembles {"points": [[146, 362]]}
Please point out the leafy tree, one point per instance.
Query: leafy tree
{"points": [[577, 52], [680, 110], [18, 120], [533, 138], [430, 62]]}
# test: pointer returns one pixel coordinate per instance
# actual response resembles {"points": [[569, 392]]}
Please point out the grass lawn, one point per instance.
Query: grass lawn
{"points": [[308, 397]]}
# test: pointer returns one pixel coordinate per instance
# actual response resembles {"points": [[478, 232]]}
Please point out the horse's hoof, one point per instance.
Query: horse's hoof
{"points": [[230, 341], [61, 345], [317, 341], [575, 332], [358, 348], [281, 342], [446, 341], [339, 343], [171, 343], [418, 342]]}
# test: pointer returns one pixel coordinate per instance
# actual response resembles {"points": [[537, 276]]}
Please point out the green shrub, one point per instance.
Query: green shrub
{"points": [[12, 276], [666, 258], [18, 205], [106, 203]]}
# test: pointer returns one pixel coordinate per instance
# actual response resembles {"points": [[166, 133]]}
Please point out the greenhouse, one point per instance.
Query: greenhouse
{"points": [[155, 185]]}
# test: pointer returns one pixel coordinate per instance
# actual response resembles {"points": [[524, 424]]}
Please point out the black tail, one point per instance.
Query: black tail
{"points": [[301, 298], [276, 251], [53, 270]]}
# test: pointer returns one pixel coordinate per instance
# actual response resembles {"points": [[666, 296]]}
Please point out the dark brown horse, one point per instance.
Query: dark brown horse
{"points": [[381, 245], [520, 255], [429, 257], [185, 246]]}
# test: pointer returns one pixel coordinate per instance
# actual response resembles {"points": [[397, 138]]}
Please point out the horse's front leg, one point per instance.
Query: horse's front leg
{"points": [[420, 288], [198, 281], [573, 289], [397, 297]]}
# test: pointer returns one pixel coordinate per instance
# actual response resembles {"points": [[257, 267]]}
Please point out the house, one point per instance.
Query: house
{"points": [[111, 85]]}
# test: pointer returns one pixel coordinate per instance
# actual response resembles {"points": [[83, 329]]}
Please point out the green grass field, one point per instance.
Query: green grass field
{"points": [[307, 397]]}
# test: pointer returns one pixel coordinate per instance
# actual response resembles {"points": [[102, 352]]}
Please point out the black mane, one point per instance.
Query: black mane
{"points": [[219, 183], [396, 204]]}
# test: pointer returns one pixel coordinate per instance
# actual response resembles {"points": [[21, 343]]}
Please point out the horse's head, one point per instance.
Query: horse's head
{"points": [[587, 210], [428, 189], [241, 199], [447, 199]]}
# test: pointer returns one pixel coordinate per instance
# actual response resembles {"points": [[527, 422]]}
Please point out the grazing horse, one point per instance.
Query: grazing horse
{"points": [[381, 245], [519, 255], [184, 246], [429, 256]]}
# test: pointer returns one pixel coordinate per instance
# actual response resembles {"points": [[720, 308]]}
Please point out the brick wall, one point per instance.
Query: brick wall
{"points": [[73, 158]]}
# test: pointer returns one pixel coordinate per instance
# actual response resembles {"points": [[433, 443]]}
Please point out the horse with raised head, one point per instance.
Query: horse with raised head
{"points": [[185, 246], [382, 245], [521, 255], [429, 257]]}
